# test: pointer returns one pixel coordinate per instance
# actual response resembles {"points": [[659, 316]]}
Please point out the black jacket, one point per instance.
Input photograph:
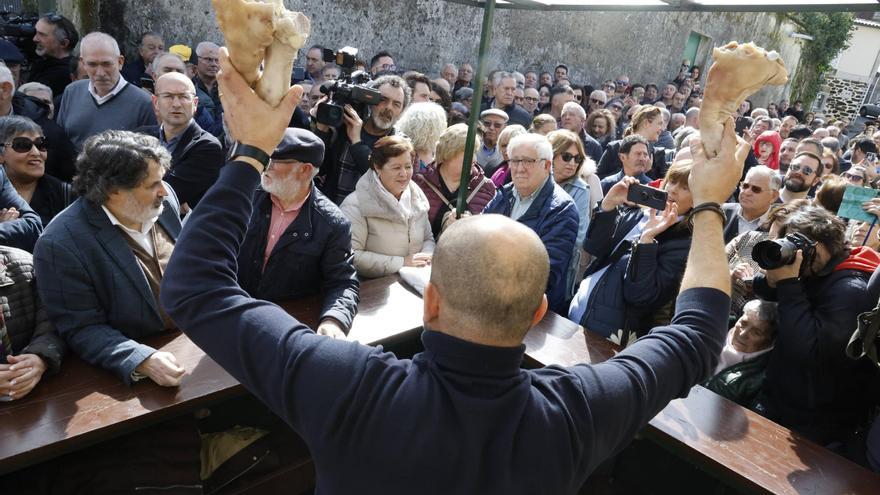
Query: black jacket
{"points": [[195, 163], [133, 71], [610, 162], [312, 256], [811, 385], [50, 197], [61, 157], [53, 72]]}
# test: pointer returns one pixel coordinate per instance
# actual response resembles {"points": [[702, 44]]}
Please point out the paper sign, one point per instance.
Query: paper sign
{"points": [[851, 206]]}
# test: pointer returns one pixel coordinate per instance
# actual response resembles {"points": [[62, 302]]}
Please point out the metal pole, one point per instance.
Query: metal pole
{"points": [[467, 162]]}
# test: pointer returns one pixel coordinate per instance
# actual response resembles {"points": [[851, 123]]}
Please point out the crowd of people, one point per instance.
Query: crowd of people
{"points": [[104, 159]]}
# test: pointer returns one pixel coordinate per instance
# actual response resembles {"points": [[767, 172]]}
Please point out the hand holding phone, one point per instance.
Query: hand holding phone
{"points": [[647, 196]]}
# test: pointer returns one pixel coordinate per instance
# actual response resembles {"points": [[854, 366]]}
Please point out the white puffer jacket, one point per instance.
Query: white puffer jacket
{"points": [[384, 230]]}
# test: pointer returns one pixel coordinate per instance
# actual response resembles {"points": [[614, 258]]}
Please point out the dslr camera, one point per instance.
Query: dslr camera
{"points": [[776, 253], [350, 89]]}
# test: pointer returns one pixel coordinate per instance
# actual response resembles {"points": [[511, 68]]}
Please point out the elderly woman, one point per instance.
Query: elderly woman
{"points": [[389, 213], [24, 156], [441, 181], [648, 123], [501, 175], [29, 347], [543, 124], [423, 123], [568, 160], [601, 126], [640, 256]]}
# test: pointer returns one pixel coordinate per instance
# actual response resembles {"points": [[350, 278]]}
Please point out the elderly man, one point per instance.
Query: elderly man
{"points": [[150, 46], [811, 387], [757, 193], [100, 262], [535, 200], [55, 39], [803, 173], [488, 156], [205, 80], [315, 64], [505, 93], [598, 98], [106, 100], [635, 160], [465, 75], [196, 155], [298, 242], [677, 121], [478, 307], [573, 118], [348, 148], [559, 96], [450, 73], [531, 97]]}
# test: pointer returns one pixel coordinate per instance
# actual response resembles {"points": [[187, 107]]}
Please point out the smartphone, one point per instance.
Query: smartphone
{"points": [[147, 83], [298, 74], [871, 157], [647, 196]]}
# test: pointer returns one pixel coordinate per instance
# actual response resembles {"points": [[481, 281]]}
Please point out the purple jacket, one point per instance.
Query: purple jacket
{"points": [[476, 205]]}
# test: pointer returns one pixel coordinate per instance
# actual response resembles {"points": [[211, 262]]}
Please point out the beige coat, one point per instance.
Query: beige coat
{"points": [[383, 232]]}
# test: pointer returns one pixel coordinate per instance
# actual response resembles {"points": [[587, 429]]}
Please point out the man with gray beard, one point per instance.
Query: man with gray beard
{"points": [[349, 146], [298, 242]]}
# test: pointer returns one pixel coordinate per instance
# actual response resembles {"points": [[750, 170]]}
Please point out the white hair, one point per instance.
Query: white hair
{"points": [[575, 107], [537, 142], [162, 56], [35, 86], [201, 47], [423, 123], [765, 310], [774, 178], [6, 75], [100, 38]]}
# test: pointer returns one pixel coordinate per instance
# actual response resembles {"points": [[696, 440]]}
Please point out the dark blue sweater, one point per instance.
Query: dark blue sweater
{"points": [[457, 418]]}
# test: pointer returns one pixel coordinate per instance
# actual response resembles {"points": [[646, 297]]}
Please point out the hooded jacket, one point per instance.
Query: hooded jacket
{"points": [[384, 230], [773, 138]]}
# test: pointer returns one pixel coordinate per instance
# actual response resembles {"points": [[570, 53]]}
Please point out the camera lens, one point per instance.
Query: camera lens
{"points": [[772, 254]]}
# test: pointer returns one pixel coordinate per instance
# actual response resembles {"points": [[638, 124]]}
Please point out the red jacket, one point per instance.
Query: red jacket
{"points": [[476, 206]]}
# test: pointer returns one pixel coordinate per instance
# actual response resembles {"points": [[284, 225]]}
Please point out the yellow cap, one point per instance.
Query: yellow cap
{"points": [[182, 51]]}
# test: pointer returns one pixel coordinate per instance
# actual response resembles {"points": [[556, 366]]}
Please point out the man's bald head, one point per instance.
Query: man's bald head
{"points": [[174, 78], [491, 273]]}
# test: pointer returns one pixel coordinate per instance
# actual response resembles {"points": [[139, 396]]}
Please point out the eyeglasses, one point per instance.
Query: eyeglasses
{"points": [[531, 99], [23, 144], [184, 97], [616, 107], [797, 167], [596, 101], [385, 67], [525, 162], [849, 176], [496, 125], [745, 186], [567, 157]]}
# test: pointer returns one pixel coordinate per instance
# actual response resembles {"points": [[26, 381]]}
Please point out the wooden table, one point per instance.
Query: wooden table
{"points": [[84, 405]]}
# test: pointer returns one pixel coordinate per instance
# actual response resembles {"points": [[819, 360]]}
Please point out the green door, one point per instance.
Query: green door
{"points": [[690, 51]]}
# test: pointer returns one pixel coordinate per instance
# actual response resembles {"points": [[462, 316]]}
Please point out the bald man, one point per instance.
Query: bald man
{"points": [[196, 155], [105, 100], [463, 416]]}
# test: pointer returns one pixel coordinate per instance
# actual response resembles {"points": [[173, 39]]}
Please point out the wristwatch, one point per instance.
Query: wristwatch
{"points": [[241, 149]]}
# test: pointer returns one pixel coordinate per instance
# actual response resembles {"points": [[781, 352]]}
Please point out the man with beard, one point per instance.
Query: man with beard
{"points": [[298, 242], [196, 155], [349, 146], [802, 174], [787, 124], [105, 100], [100, 262], [54, 41]]}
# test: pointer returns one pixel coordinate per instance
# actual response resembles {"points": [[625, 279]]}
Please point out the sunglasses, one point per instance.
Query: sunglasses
{"points": [[849, 176], [745, 186], [23, 144], [797, 167], [531, 99], [598, 102], [496, 125], [616, 107], [567, 157]]}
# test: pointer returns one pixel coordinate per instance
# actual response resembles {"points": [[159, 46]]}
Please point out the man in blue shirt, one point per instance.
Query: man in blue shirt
{"points": [[462, 417]]}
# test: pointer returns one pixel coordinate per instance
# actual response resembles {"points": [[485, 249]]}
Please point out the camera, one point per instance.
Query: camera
{"points": [[20, 30], [350, 89], [773, 254]]}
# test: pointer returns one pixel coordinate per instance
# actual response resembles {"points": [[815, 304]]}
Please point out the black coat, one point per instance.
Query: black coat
{"points": [[51, 197], [61, 157], [313, 256], [610, 162], [195, 163], [53, 72]]}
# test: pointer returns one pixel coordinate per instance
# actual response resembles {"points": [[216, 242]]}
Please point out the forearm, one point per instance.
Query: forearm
{"points": [[707, 262]]}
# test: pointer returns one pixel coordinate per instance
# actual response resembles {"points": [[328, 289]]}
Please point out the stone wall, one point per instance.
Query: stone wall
{"points": [[844, 98], [423, 34]]}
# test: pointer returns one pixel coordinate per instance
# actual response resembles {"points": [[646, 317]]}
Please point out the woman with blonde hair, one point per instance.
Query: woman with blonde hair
{"points": [[389, 213], [601, 126], [646, 122], [543, 124], [441, 181], [423, 123]]}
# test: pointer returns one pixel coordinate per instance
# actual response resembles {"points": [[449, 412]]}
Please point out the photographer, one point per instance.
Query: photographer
{"points": [[348, 147], [811, 386], [55, 40]]}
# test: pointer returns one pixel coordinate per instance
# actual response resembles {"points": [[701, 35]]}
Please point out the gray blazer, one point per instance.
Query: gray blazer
{"points": [[95, 292]]}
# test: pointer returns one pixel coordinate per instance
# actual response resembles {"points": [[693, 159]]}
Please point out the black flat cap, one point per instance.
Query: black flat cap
{"points": [[300, 145]]}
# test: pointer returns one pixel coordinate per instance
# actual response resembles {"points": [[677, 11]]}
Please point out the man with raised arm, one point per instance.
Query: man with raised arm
{"points": [[462, 417]]}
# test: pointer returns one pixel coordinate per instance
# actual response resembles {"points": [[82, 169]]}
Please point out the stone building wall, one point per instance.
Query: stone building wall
{"points": [[423, 34], [844, 98]]}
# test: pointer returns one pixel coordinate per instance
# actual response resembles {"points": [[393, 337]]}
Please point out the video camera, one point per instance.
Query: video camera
{"points": [[350, 89], [776, 253], [20, 30]]}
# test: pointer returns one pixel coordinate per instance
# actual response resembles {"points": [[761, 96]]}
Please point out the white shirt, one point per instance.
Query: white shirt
{"points": [[141, 237], [100, 100]]}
